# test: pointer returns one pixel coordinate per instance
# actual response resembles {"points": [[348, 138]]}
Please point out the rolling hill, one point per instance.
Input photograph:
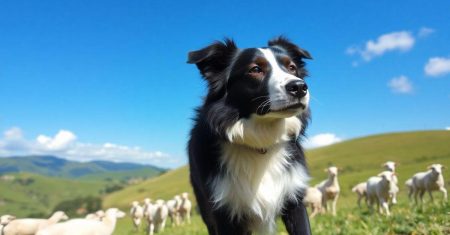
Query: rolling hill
{"points": [[360, 158], [58, 167], [25, 194]]}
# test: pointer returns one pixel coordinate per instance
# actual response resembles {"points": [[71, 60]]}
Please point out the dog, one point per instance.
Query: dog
{"points": [[246, 163]]}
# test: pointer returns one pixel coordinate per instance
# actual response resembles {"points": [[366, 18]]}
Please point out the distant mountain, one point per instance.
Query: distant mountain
{"points": [[58, 167]]}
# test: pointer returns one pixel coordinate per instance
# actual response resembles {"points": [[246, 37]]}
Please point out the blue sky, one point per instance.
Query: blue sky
{"points": [[108, 79]]}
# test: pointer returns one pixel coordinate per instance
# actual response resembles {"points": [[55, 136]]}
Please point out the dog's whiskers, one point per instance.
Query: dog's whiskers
{"points": [[263, 105], [260, 97], [314, 98]]}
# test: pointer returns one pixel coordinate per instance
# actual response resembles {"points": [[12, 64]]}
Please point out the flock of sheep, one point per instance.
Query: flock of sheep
{"points": [[85, 226], [178, 210], [381, 189], [103, 222]]}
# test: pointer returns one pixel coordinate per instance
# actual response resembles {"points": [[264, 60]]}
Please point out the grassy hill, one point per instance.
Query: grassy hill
{"points": [[123, 175], [58, 167], [360, 158], [164, 187], [24, 194]]}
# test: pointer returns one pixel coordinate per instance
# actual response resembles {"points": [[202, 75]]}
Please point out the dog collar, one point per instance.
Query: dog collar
{"points": [[258, 150], [261, 151]]}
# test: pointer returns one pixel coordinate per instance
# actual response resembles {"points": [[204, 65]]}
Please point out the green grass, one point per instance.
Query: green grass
{"points": [[360, 158], [405, 219], [350, 220]]}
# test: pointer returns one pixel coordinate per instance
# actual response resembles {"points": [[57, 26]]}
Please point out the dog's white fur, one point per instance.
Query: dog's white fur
{"points": [[255, 183], [258, 132]]}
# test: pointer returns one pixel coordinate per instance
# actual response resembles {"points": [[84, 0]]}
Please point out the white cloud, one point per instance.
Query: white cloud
{"points": [[64, 144], [395, 41], [320, 140], [14, 133], [400, 85], [447, 128], [437, 66], [61, 141], [425, 32], [12, 141]]}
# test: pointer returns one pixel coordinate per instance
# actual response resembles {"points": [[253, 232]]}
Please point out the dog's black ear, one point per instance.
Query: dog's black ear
{"points": [[294, 50], [214, 58]]}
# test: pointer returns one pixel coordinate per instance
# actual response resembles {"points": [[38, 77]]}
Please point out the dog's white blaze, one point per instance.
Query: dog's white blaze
{"points": [[256, 185], [278, 80]]}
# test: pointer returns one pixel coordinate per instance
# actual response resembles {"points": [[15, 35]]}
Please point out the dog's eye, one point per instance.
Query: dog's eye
{"points": [[255, 69], [292, 68]]}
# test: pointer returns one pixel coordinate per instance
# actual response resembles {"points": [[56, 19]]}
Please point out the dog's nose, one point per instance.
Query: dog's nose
{"points": [[297, 88]]}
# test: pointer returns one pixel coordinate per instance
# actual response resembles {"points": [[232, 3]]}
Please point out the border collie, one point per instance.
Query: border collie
{"points": [[246, 163]]}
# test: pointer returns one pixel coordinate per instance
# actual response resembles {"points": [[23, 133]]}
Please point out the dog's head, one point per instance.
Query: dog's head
{"points": [[267, 82]]}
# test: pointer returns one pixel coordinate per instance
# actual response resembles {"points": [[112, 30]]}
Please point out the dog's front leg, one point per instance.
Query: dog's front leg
{"points": [[296, 219]]}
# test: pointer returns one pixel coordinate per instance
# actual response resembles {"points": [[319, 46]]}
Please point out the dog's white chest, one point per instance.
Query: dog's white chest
{"points": [[256, 185]]}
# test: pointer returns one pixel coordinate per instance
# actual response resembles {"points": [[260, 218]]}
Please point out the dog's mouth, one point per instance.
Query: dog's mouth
{"points": [[290, 108]]}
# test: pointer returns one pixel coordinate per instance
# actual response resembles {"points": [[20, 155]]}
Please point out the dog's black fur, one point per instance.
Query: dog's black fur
{"points": [[233, 95]]}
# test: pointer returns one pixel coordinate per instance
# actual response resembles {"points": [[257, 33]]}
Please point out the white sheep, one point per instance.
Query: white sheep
{"points": [[185, 208], [4, 220], [378, 190], [409, 185], [313, 198], [174, 206], [98, 215], [136, 213], [161, 215], [429, 181], [390, 166], [361, 190], [147, 203], [156, 215], [29, 226], [330, 188], [86, 226]]}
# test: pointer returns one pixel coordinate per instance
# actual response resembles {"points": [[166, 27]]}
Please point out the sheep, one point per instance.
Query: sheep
{"points": [[136, 213], [409, 185], [313, 198], [98, 215], [28, 226], [185, 208], [156, 215], [147, 203], [432, 180], [390, 166], [86, 226], [330, 188], [174, 206], [378, 188], [4, 220], [361, 190], [161, 215]]}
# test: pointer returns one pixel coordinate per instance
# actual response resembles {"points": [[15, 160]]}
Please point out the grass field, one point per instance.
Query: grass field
{"points": [[360, 158], [406, 219]]}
